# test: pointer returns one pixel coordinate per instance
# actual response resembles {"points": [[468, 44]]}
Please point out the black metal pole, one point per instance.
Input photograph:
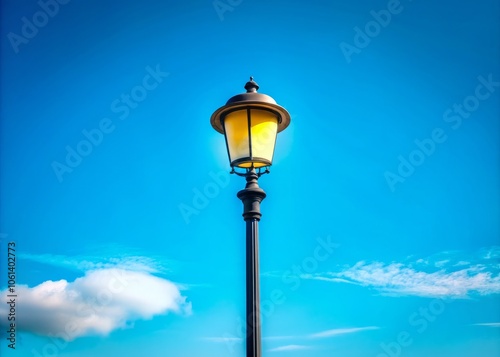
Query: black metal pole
{"points": [[251, 197]]}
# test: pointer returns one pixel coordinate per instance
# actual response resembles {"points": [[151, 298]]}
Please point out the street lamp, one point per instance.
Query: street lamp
{"points": [[250, 123]]}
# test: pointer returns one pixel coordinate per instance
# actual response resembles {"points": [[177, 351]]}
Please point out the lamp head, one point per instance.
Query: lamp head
{"points": [[250, 122]]}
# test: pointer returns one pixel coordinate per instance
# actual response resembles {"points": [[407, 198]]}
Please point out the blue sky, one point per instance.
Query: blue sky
{"points": [[380, 232]]}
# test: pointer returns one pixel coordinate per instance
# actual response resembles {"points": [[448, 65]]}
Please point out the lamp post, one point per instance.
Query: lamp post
{"points": [[250, 123]]}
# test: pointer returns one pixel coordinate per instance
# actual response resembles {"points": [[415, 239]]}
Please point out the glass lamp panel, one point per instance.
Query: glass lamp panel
{"points": [[264, 127], [236, 131]]}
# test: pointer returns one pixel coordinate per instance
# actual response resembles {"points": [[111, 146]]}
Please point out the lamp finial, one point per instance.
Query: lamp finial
{"points": [[251, 86]]}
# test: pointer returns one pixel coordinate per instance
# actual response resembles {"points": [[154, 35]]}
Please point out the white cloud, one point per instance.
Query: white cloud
{"points": [[342, 331], [96, 304], [452, 277], [290, 348]]}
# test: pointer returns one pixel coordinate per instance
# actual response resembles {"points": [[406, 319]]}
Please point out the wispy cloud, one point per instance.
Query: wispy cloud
{"points": [[277, 338], [342, 331], [452, 277], [295, 347], [223, 339], [324, 334], [489, 324], [441, 263], [290, 348], [101, 301], [93, 262], [491, 253]]}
